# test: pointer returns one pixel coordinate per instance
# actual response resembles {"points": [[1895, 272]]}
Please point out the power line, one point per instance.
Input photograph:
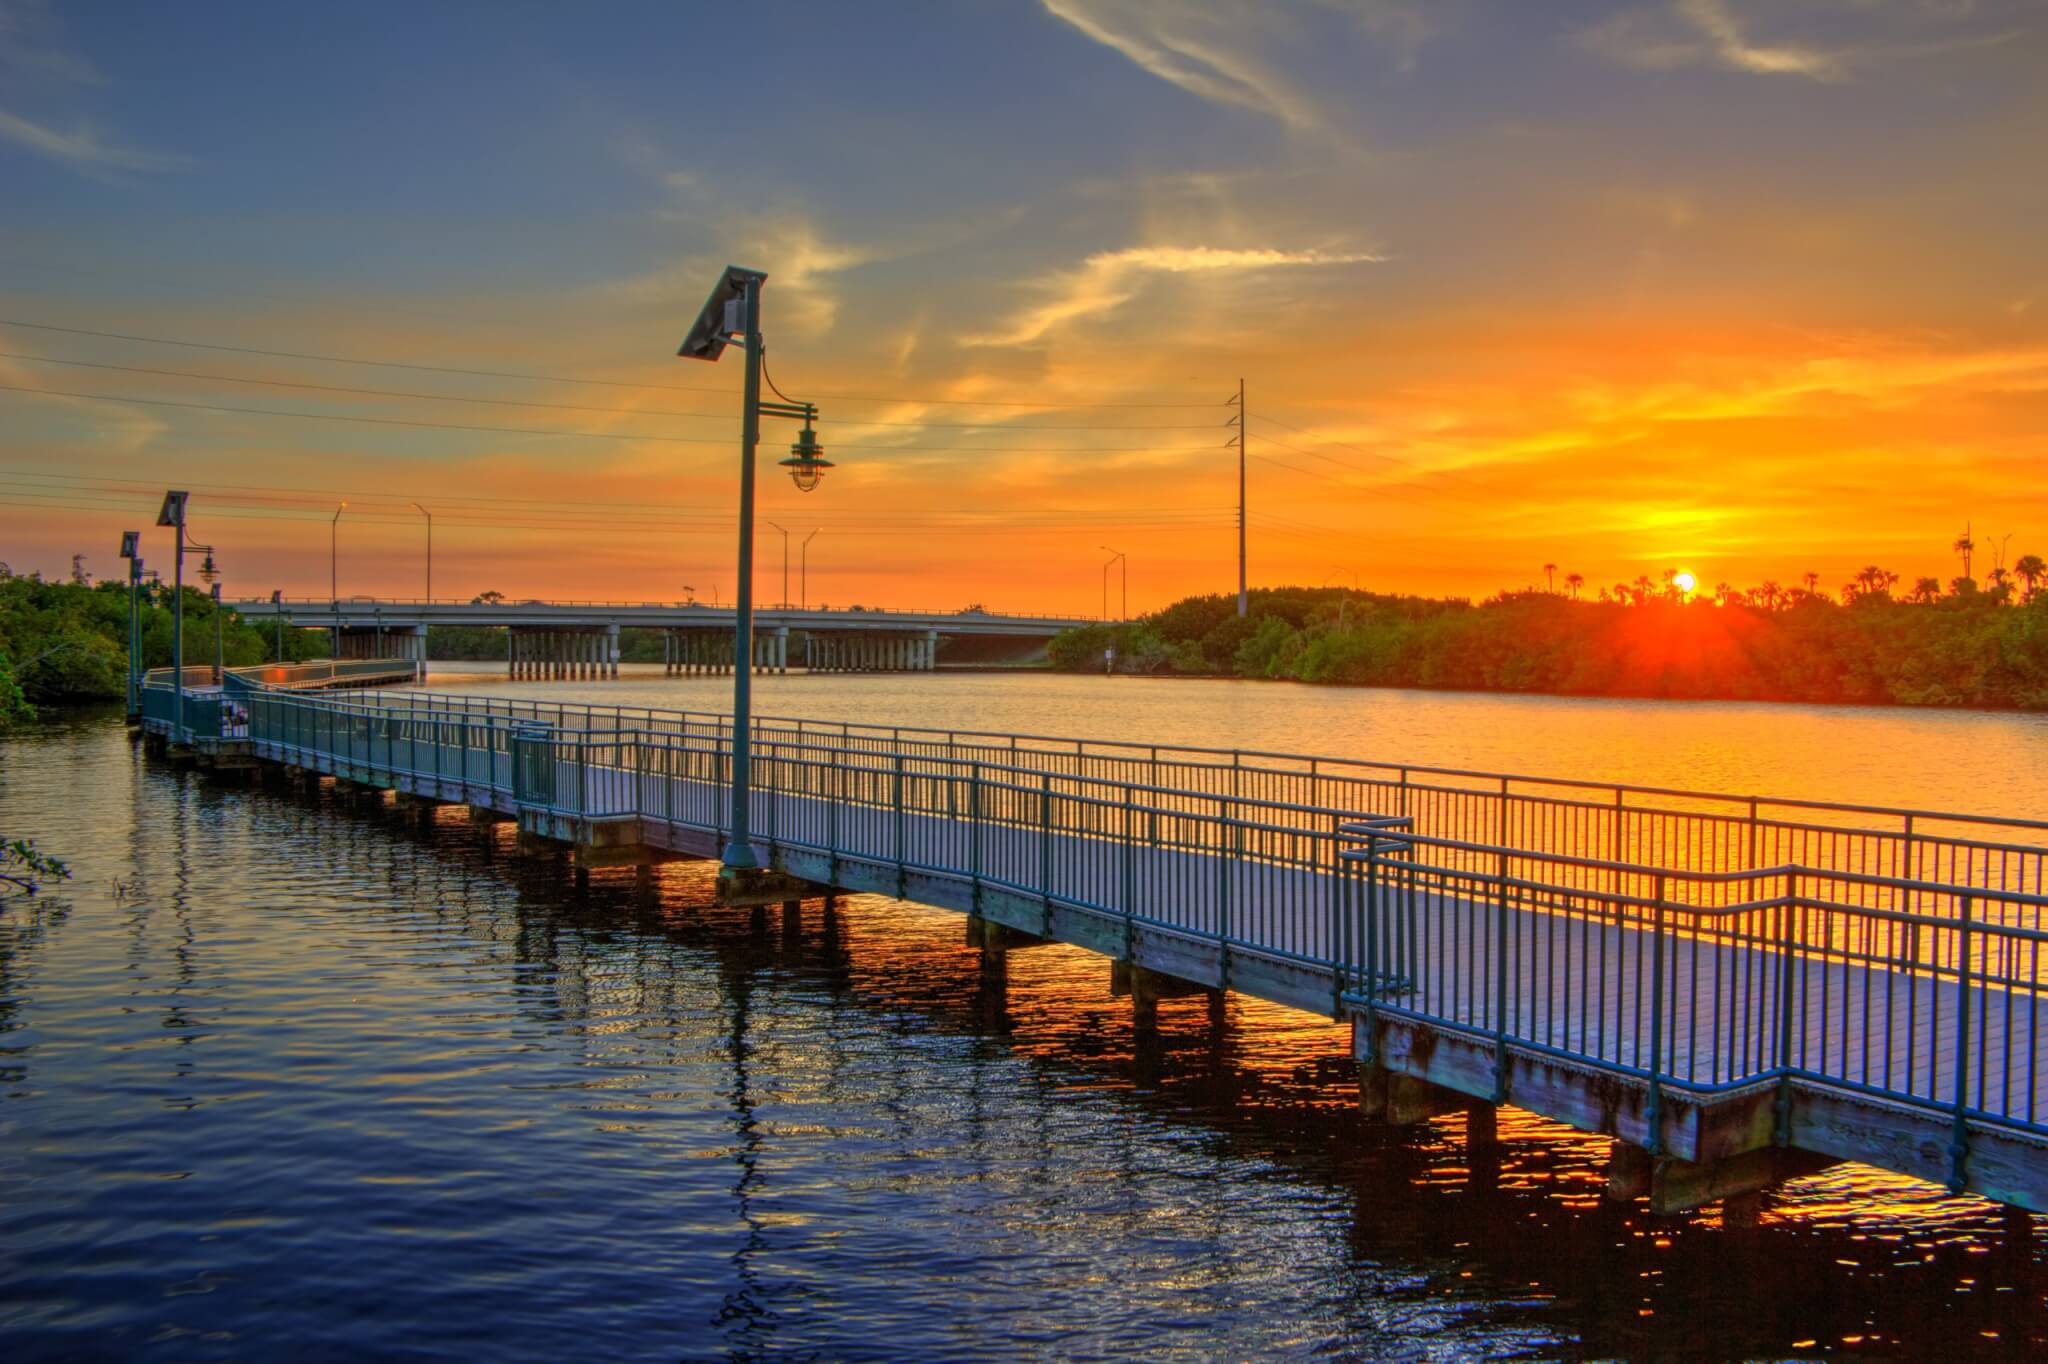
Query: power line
{"points": [[581, 435], [355, 391], [560, 378], [86, 502]]}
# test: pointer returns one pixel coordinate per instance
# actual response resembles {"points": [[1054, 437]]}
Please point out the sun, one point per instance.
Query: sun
{"points": [[1684, 582]]}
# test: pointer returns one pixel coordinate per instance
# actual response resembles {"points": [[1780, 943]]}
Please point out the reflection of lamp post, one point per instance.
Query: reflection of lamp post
{"points": [[733, 311], [334, 578], [277, 613], [130, 542], [1116, 556], [803, 562]]}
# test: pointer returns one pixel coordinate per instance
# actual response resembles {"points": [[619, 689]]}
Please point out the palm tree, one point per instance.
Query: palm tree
{"points": [[1812, 581], [1965, 546], [2031, 570], [1575, 581], [1925, 590], [1769, 594], [1723, 594], [1550, 577]]}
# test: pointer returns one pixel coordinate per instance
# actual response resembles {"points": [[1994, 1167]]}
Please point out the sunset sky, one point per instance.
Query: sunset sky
{"points": [[1745, 287]]}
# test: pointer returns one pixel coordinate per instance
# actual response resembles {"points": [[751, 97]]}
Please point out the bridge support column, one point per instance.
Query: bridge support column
{"points": [[782, 649], [1146, 988], [931, 650], [611, 648], [1682, 1185]]}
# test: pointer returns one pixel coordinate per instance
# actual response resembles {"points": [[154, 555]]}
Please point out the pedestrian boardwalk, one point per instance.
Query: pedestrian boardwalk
{"points": [[1701, 1011]]}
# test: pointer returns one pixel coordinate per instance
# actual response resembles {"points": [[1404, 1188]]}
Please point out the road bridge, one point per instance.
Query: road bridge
{"points": [[570, 639], [1738, 989]]}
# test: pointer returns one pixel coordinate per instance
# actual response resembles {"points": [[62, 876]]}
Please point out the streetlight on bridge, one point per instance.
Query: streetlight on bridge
{"points": [[803, 560], [733, 313], [430, 549], [334, 579], [1125, 577]]}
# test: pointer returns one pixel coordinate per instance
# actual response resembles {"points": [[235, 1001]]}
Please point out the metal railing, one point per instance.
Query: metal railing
{"points": [[1832, 970], [1615, 824], [1921, 992]]}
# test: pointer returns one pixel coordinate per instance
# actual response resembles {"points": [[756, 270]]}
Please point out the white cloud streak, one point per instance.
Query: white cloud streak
{"points": [[1156, 39], [1107, 280], [81, 148]]}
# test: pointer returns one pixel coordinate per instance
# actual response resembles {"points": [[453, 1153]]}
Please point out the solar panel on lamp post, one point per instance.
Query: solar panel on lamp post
{"points": [[732, 314]]}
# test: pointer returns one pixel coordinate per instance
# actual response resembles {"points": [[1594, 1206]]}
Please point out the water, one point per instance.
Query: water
{"points": [[284, 1076], [1977, 762]]}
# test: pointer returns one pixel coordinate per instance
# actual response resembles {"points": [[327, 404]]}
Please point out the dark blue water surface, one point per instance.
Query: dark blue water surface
{"points": [[284, 1076]]}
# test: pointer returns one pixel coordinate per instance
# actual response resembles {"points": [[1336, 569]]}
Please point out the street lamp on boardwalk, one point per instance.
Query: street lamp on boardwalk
{"points": [[219, 644], [732, 314], [173, 515], [131, 550]]}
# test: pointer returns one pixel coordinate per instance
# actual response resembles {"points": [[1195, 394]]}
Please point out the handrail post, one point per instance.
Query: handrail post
{"points": [[1782, 1102], [1500, 974], [1655, 1144], [974, 829], [1959, 1139], [898, 798], [1045, 849], [1129, 892]]}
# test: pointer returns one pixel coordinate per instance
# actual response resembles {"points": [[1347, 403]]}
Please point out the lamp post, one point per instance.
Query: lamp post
{"points": [[1116, 555], [803, 562], [733, 311], [785, 566], [277, 614], [334, 579], [430, 549], [172, 515], [130, 543], [219, 645]]}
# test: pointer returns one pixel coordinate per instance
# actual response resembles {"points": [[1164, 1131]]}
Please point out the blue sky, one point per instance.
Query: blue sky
{"points": [[1750, 285]]}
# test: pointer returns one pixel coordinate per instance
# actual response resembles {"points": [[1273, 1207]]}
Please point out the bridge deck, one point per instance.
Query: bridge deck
{"points": [[1853, 1025]]}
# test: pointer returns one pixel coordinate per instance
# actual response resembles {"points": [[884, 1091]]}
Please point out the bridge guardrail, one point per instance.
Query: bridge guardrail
{"points": [[1935, 1001], [1920, 991], [1617, 825]]}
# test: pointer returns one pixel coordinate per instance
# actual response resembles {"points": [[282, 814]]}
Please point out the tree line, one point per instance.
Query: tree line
{"points": [[66, 642], [1964, 646]]}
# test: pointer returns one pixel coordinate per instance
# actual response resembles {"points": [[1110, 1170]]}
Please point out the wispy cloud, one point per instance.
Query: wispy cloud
{"points": [[1712, 33], [1109, 279], [1700, 33], [81, 148], [1165, 40]]}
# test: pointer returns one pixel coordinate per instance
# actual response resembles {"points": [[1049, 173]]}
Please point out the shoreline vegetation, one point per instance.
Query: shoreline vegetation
{"points": [[1966, 647], [66, 642]]}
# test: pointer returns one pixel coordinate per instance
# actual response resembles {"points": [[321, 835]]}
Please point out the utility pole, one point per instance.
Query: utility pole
{"points": [[1239, 422], [804, 569]]}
